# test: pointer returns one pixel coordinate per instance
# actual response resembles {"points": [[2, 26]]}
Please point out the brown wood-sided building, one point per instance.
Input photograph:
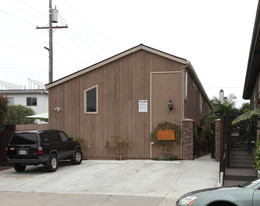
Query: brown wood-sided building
{"points": [[104, 100], [252, 79]]}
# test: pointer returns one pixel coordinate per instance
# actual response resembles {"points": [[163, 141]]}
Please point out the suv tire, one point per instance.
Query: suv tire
{"points": [[19, 168], [53, 163], [77, 157]]}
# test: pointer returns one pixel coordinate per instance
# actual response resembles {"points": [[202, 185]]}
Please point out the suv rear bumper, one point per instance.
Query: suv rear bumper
{"points": [[40, 160]]}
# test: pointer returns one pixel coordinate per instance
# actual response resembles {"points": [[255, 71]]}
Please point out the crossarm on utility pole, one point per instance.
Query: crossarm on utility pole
{"points": [[50, 49], [54, 27]]}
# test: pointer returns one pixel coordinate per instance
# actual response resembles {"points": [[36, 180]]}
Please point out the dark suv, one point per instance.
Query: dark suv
{"points": [[45, 147]]}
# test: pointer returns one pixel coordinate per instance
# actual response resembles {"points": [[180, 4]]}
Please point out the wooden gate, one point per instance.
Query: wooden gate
{"points": [[225, 133]]}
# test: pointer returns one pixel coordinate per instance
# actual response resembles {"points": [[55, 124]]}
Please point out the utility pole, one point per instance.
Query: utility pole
{"points": [[50, 49], [50, 44]]}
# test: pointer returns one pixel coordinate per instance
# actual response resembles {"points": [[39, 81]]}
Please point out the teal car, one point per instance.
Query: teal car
{"points": [[240, 195]]}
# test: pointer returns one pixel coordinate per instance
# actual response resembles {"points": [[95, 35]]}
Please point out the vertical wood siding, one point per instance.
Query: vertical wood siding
{"points": [[192, 104], [120, 85]]}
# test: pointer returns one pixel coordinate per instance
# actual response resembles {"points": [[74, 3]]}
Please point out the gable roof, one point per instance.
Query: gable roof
{"points": [[127, 52], [114, 58]]}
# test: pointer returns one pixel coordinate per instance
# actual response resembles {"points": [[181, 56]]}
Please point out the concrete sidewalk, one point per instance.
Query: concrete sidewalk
{"points": [[108, 182]]}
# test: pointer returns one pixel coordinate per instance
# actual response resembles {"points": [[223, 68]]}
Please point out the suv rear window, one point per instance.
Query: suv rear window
{"points": [[24, 138]]}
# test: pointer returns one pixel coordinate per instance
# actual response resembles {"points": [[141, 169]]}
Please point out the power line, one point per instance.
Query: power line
{"points": [[69, 52], [112, 44], [17, 17], [92, 39], [58, 54], [61, 63], [80, 46], [85, 43], [18, 39], [33, 8], [36, 53], [22, 10]]}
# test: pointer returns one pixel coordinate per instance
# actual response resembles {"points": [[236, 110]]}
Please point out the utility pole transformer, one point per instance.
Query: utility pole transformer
{"points": [[50, 27]]}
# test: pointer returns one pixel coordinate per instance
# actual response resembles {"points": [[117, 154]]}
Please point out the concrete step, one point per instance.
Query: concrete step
{"points": [[240, 155], [240, 158], [241, 165], [240, 152], [240, 174], [228, 183], [244, 159], [232, 154], [238, 149]]}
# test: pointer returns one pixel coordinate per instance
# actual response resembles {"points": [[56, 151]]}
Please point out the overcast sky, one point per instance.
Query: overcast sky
{"points": [[214, 35]]}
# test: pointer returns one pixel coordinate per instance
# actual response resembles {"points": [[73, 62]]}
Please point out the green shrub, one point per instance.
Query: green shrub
{"points": [[166, 126], [257, 156]]}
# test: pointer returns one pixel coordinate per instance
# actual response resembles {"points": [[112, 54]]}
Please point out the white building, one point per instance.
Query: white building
{"points": [[36, 97]]}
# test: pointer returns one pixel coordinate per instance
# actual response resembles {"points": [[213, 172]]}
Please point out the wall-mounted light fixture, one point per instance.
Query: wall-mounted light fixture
{"points": [[57, 109], [170, 105]]}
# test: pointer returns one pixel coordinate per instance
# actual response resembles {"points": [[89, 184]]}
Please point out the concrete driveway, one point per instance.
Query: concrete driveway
{"points": [[109, 182]]}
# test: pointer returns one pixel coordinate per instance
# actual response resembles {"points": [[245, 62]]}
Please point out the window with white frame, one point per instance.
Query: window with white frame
{"points": [[186, 85], [91, 100]]}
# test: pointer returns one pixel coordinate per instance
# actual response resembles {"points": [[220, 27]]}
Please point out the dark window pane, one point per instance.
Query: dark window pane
{"points": [[34, 101], [55, 137], [91, 100], [25, 138], [28, 101], [64, 137], [45, 138], [31, 101]]}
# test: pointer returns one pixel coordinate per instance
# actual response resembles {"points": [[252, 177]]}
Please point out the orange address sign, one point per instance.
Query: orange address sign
{"points": [[166, 134]]}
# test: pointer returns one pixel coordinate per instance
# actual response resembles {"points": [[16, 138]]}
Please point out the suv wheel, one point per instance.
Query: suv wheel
{"points": [[19, 168], [53, 163], [77, 157]]}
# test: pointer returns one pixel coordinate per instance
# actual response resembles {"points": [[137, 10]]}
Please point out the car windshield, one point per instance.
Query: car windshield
{"points": [[23, 139], [251, 183]]}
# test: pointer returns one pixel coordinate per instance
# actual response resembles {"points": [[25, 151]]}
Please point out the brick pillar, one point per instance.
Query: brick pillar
{"points": [[187, 139], [217, 139]]}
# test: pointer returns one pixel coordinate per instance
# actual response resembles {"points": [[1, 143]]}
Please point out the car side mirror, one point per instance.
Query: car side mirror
{"points": [[71, 139]]}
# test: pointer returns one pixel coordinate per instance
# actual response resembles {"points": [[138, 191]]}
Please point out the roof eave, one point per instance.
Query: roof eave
{"points": [[194, 74], [247, 85], [113, 58]]}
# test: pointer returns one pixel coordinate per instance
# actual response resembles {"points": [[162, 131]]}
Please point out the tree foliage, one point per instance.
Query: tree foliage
{"points": [[257, 156], [245, 107], [17, 115], [3, 108], [219, 109], [225, 108]]}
